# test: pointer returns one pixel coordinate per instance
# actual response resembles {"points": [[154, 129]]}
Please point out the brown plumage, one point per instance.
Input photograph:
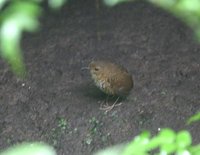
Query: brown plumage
{"points": [[111, 78]]}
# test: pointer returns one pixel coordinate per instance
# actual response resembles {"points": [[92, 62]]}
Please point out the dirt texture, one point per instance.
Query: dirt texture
{"points": [[58, 103]]}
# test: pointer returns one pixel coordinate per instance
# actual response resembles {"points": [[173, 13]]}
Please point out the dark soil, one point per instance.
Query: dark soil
{"points": [[57, 103]]}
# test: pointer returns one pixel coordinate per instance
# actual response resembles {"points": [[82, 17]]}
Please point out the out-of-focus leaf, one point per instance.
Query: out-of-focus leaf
{"points": [[167, 140], [28, 8], [164, 3], [138, 145], [115, 150], [56, 4], [20, 16], [186, 10], [183, 139], [35, 148], [167, 148], [191, 6], [164, 140], [195, 150], [10, 46], [183, 152], [114, 2], [167, 136], [195, 117], [153, 143], [2, 2]]}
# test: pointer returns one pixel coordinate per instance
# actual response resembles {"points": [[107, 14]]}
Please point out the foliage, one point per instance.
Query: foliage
{"points": [[15, 18], [35, 148], [186, 10], [194, 118], [18, 16], [165, 143]]}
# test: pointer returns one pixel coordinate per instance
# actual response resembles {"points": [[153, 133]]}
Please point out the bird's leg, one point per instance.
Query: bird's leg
{"points": [[107, 107]]}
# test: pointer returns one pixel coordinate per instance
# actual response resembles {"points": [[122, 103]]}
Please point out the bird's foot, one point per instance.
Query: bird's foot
{"points": [[107, 108]]}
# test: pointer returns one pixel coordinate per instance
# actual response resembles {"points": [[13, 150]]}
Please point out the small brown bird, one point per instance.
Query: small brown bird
{"points": [[112, 79]]}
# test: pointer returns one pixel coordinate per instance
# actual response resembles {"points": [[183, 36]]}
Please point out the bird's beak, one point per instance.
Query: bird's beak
{"points": [[85, 68]]}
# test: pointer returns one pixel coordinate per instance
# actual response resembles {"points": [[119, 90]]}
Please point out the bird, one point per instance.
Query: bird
{"points": [[111, 78]]}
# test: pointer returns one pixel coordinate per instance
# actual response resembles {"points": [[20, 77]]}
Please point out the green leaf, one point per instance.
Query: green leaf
{"points": [[153, 143], [115, 150], [18, 17], [191, 6], [114, 2], [167, 136], [167, 148], [183, 152], [167, 140], [195, 150], [183, 139], [35, 148], [194, 118], [138, 145], [10, 47], [28, 8], [2, 2], [56, 4], [163, 3]]}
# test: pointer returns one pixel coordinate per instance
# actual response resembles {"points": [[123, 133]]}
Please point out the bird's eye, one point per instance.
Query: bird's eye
{"points": [[96, 69]]}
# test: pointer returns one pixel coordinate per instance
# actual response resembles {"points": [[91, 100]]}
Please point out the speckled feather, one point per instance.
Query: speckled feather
{"points": [[111, 78]]}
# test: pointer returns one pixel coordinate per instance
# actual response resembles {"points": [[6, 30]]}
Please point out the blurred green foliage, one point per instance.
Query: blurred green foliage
{"points": [[34, 148], [56, 4], [186, 10], [194, 118], [114, 2], [165, 143], [16, 17]]}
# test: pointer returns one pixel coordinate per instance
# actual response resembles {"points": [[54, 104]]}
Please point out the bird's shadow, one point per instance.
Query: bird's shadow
{"points": [[90, 90]]}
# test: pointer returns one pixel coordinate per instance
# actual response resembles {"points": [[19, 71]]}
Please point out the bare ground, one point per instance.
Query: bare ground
{"points": [[58, 104]]}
